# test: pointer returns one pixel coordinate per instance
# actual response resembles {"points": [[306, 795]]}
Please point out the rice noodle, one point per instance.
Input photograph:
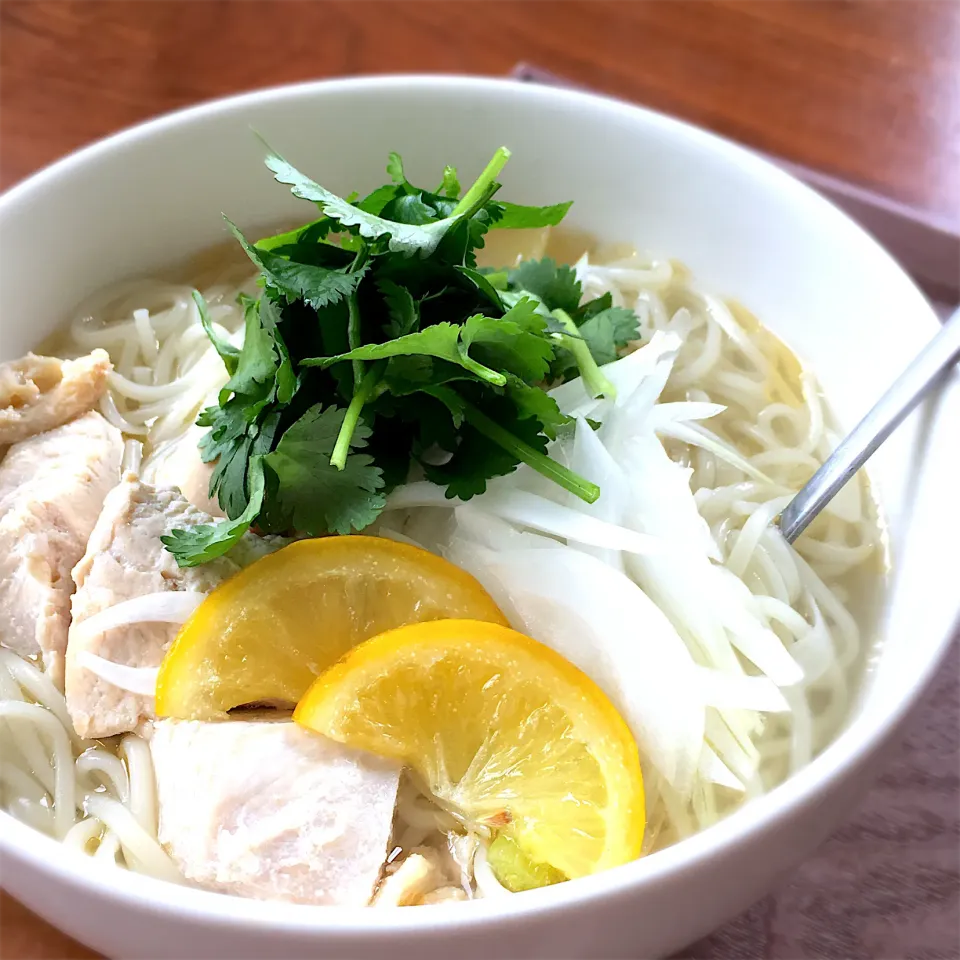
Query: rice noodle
{"points": [[50, 777]]}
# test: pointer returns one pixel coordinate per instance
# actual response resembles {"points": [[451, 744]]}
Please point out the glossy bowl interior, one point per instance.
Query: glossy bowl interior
{"points": [[153, 195]]}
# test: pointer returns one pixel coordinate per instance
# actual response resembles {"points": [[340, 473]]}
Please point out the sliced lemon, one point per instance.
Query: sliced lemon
{"points": [[266, 634], [501, 729]]}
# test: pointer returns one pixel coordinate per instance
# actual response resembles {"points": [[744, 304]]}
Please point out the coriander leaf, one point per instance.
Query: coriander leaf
{"points": [[409, 208], [318, 286], [319, 497], [404, 315], [205, 542], [444, 206], [555, 285], [229, 476], [266, 432], [224, 441], [395, 168], [505, 345], [270, 317], [450, 185], [593, 307], [375, 202], [442, 340], [511, 298], [498, 279], [524, 314], [229, 354], [404, 238], [451, 400], [475, 461], [227, 424], [273, 516], [538, 404], [483, 284], [519, 217], [257, 362], [528, 446], [321, 254], [460, 243], [492, 442], [406, 375], [311, 233], [607, 331]]}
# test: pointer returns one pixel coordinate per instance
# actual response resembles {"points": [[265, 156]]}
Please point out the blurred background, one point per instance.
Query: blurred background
{"points": [[862, 99]]}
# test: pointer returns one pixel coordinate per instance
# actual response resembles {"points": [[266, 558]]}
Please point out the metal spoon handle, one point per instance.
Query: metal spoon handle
{"points": [[939, 354]]}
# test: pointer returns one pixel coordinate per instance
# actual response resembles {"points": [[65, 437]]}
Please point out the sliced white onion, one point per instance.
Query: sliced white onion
{"points": [[681, 411], [167, 606], [539, 513], [725, 690], [592, 460], [420, 493], [139, 680], [714, 770], [698, 436]]}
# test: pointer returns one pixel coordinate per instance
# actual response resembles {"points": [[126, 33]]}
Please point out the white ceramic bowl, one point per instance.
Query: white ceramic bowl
{"points": [[153, 195]]}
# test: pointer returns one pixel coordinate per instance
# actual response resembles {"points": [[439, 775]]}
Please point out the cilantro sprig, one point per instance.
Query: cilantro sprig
{"points": [[377, 350]]}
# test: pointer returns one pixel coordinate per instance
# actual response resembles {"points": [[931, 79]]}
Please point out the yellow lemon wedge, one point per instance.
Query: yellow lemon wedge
{"points": [[500, 729], [266, 634]]}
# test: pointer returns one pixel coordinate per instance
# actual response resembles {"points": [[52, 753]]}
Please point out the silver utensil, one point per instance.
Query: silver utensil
{"points": [[907, 391]]}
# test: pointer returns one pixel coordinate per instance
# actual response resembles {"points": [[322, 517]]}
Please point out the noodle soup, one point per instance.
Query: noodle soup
{"points": [[713, 425]]}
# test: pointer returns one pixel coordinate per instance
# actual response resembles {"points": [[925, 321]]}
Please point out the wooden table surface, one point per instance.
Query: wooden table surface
{"points": [[866, 91]]}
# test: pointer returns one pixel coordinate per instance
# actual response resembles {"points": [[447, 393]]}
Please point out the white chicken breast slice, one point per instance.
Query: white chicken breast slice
{"points": [[125, 559], [41, 393], [272, 811], [52, 488]]}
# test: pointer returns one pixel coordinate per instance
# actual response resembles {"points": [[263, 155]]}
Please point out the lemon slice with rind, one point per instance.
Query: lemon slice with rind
{"points": [[267, 633]]}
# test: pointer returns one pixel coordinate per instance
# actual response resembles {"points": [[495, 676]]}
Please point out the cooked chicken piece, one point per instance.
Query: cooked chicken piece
{"points": [[126, 559], [178, 464], [273, 811], [40, 393], [52, 487], [421, 873]]}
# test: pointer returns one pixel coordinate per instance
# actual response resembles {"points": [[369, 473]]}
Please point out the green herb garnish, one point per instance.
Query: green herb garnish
{"points": [[378, 348]]}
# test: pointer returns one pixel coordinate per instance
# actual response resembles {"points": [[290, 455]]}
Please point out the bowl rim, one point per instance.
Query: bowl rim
{"points": [[853, 746]]}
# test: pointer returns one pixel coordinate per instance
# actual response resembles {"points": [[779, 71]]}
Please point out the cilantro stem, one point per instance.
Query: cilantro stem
{"points": [[593, 379], [353, 337], [479, 188], [538, 461], [351, 418]]}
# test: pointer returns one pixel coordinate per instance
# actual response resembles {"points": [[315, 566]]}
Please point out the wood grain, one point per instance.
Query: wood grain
{"points": [[866, 91]]}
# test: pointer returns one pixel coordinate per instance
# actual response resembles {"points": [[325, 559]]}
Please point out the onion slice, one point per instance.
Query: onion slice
{"points": [[139, 680], [167, 606]]}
